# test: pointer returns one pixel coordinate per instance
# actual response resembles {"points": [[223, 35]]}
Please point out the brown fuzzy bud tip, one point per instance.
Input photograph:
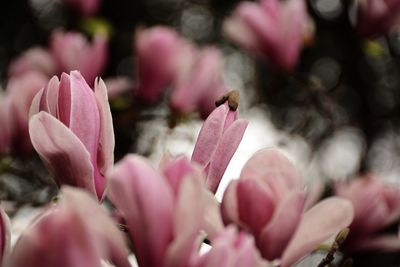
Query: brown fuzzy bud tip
{"points": [[233, 98], [342, 235]]}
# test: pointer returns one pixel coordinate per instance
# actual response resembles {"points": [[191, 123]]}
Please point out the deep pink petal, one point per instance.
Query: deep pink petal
{"points": [[255, 205], [378, 243], [319, 223], [62, 151], [229, 205], [276, 235], [144, 199]]}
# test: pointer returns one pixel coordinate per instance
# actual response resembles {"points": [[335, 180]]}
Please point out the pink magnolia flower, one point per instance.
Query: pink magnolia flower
{"points": [[21, 90], [71, 129], [34, 59], [164, 212], [271, 28], [230, 249], [268, 201], [376, 206], [75, 232], [164, 58], [197, 81], [72, 51], [86, 7], [376, 17], [218, 140], [156, 50]]}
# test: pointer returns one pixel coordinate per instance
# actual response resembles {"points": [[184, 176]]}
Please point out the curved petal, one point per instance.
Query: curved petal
{"points": [[175, 172], [224, 152], [275, 169], [229, 205], [105, 153], [110, 237], [209, 136], [144, 199], [62, 151], [318, 224], [275, 236], [255, 205], [188, 220]]}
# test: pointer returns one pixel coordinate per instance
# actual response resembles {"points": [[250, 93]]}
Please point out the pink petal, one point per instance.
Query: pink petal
{"points": [[188, 221], [111, 238], [176, 171], [225, 150], [43, 244], [318, 224], [49, 100], [229, 205], [105, 153], [255, 205], [62, 151], [276, 170], [276, 235], [213, 220], [144, 199], [209, 135]]}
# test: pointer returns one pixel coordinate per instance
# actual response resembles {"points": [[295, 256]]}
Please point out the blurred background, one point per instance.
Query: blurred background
{"points": [[336, 115]]}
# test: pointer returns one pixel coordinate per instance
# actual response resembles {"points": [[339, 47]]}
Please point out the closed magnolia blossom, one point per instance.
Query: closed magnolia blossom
{"points": [[21, 90], [268, 201], [75, 232], [72, 51], [217, 142], [272, 29], [376, 206], [71, 129], [230, 249], [164, 210], [156, 50], [376, 17]]}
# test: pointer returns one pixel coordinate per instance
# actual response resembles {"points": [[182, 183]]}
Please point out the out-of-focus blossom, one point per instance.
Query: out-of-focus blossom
{"points": [[376, 206], [272, 29], [268, 201], [6, 123], [217, 142], [71, 129], [164, 212], [165, 59], [21, 90], [85, 7], [5, 237], [230, 249], [34, 59], [72, 51], [197, 81], [156, 49], [376, 17], [75, 232]]}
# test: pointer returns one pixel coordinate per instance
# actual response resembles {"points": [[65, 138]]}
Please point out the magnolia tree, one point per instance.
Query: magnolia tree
{"points": [[71, 141]]}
